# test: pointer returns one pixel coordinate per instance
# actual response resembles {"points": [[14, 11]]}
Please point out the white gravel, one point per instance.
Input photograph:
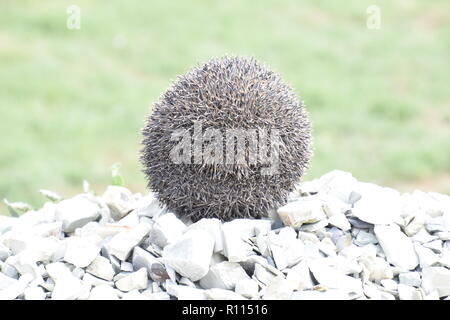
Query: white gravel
{"points": [[336, 238]]}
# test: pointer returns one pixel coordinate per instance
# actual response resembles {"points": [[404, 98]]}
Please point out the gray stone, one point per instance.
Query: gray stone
{"points": [[263, 275], [50, 229], [119, 200], [378, 205], [57, 270], [434, 295], [70, 288], [357, 223], [308, 236], [306, 187], [155, 287], [389, 284], [135, 280], [333, 206], [436, 278], [333, 279], [278, 289], [300, 277], [126, 266], [185, 281], [422, 236], [314, 227], [34, 293], [97, 229], [27, 219], [354, 252], [339, 184], [25, 263], [190, 254], [129, 221], [327, 247], [435, 245], [429, 203], [46, 249], [410, 279], [144, 259], [373, 292], [343, 242], [9, 270], [445, 259], [5, 252], [305, 210], [101, 267], [346, 265], [444, 236], [166, 229], [81, 251], [236, 234], [77, 272], [76, 212], [17, 288], [408, 293], [224, 275], [377, 268], [123, 243], [6, 281], [434, 224], [340, 221], [265, 263], [184, 292], [427, 257], [7, 223], [446, 219], [248, 288], [115, 263], [311, 250], [262, 244], [286, 249], [364, 238], [17, 241], [48, 285], [148, 206], [416, 223], [160, 272], [397, 246], [42, 270], [213, 227], [95, 281], [121, 275]]}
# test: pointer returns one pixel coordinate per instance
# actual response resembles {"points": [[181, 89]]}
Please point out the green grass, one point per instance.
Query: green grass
{"points": [[72, 102]]}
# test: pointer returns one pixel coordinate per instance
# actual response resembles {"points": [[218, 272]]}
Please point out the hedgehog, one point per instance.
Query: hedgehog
{"points": [[229, 139]]}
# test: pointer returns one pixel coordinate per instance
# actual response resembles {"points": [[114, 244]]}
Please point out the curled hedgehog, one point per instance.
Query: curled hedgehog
{"points": [[228, 139]]}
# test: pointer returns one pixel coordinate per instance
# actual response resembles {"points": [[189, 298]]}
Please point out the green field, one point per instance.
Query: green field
{"points": [[72, 102]]}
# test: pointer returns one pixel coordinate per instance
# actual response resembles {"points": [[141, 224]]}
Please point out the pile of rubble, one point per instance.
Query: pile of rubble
{"points": [[336, 238]]}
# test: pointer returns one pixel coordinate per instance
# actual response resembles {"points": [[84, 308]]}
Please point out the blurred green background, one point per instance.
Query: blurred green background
{"points": [[72, 102]]}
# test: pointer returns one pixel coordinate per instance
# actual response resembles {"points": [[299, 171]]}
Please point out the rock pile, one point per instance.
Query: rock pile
{"points": [[336, 238]]}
